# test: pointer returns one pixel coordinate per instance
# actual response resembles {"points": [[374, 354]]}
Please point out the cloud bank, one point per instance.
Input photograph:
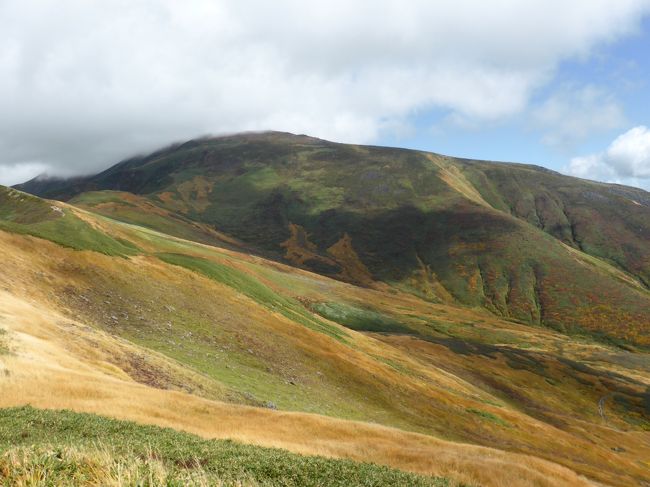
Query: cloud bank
{"points": [[626, 160], [83, 84]]}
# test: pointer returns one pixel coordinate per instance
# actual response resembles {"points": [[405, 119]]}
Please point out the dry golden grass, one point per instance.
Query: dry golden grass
{"points": [[353, 270], [45, 371], [450, 174], [59, 362], [299, 249], [95, 467]]}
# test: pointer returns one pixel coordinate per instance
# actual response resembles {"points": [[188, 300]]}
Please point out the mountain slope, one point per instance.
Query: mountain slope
{"points": [[604, 220], [188, 335], [523, 242]]}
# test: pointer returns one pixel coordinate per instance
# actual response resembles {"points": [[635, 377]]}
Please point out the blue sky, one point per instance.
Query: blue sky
{"points": [[619, 71], [555, 83]]}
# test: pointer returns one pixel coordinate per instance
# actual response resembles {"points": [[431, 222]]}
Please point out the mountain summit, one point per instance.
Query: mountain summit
{"points": [[524, 242]]}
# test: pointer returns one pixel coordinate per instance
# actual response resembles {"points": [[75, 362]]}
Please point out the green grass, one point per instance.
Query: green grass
{"points": [[93, 198], [488, 416], [50, 434], [254, 289], [69, 231], [359, 319], [405, 215], [120, 209], [28, 215]]}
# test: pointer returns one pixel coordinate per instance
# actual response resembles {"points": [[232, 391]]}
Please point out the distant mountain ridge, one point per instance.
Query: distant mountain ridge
{"points": [[522, 241]]}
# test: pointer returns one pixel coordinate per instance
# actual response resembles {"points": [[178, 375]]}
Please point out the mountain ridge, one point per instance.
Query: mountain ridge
{"points": [[478, 233]]}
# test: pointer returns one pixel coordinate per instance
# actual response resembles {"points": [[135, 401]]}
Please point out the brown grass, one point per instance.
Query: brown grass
{"points": [[353, 270], [59, 362], [47, 372]]}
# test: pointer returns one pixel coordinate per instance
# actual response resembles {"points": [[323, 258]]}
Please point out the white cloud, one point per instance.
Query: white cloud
{"points": [[85, 83], [626, 160], [21, 172], [572, 114]]}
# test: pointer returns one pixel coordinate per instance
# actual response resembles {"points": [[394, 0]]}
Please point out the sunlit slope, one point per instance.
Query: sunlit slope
{"points": [[26, 214], [519, 241], [55, 362], [225, 325]]}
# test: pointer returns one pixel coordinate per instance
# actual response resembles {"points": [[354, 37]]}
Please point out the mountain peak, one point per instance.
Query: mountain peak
{"points": [[483, 234]]}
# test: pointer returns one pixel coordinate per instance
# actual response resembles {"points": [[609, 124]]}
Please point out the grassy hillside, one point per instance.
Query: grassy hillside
{"points": [[607, 221], [159, 336], [66, 448], [522, 242], [138, 210], [24, 213]]}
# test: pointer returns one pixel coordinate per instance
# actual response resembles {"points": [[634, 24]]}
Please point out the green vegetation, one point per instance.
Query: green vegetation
{"points": [[236, 346], [94, 198], [255, 290], [605, 221], [141, 211], [68, 448], [489, 416], [70, 231], [359, 319], [26, 214]]}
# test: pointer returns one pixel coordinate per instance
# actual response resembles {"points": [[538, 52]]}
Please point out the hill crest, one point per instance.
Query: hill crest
{"points": [[524, 242]]}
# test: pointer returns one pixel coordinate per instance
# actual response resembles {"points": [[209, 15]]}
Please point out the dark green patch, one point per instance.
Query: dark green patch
{"points": [[360, 319]]}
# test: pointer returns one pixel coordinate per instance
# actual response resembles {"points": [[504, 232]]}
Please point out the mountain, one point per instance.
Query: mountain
{"points": [[203, 335], [523, 242]]}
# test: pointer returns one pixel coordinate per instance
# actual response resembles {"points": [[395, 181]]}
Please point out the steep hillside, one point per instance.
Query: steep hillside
{"points": [[604, 220], [225, 344], [523, 242]]}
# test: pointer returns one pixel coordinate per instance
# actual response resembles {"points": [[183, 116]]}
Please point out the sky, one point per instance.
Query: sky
{"points": [[562, 84]]}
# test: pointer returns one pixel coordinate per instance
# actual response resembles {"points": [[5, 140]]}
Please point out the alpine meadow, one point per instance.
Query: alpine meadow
{"points": [[464, 321], [269, 244]]}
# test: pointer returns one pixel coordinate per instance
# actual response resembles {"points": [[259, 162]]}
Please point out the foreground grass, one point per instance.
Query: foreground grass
{"points": [[42, 447]]}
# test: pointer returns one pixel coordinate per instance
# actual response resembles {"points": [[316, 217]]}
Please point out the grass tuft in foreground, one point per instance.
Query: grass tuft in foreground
{"points": [[43, 447], [98, 466]]}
